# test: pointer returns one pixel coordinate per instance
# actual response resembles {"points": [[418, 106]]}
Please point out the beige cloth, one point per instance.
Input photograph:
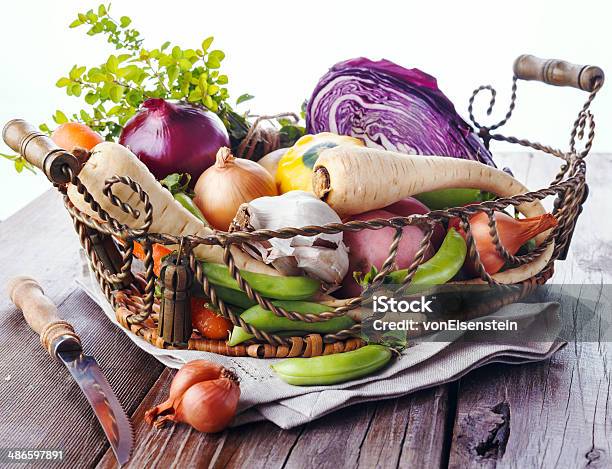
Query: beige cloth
{"points": [[427, 364]]}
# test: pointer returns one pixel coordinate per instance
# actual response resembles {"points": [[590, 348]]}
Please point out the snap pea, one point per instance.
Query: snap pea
{"points": [[440, 268], [446, 198], [335, 368], [234, 297], [187, 202], [238, 335], [267, 321], [278, 288]]}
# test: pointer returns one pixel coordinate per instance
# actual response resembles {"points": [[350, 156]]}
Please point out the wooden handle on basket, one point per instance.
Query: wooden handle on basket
{"points": [[39, 150], [558, 72], [41, 315]]}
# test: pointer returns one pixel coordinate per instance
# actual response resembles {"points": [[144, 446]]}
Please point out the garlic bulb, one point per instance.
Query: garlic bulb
{"points": [[323, 256]]}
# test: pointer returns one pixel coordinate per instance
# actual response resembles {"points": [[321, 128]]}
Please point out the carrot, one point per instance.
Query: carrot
{"points": [[169, 216], [354, 180]]}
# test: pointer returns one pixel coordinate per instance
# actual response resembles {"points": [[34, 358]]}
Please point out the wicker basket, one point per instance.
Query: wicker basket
{"points": [[167, 323]]}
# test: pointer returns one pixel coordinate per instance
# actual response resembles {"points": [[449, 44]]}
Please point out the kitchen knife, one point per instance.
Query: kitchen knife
{"points": [[60, 340]]}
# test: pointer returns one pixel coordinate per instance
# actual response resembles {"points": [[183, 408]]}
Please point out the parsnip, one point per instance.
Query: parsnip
{"points": [[355, 180], [169, 216]]}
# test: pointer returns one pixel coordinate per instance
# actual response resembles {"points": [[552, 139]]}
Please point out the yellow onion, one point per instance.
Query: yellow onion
{"points": [[229, 183]]}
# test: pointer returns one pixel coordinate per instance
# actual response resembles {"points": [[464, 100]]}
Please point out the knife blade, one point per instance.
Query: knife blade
{"points": [[60, 340]]}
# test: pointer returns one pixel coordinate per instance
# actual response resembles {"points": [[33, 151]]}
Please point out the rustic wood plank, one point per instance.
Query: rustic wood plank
{"points": [[409, 432], [405, 432], [42, 405], [554, 413]]}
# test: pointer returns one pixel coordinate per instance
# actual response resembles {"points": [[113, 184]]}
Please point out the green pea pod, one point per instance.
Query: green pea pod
{"points": [[187, 202], [440, 268], [333, 369], [239, 335], [234, 297], [446, 198], [270, 286], [267, 321]]}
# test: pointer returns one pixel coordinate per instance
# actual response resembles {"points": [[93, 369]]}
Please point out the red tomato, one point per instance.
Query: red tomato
{"points": [[208, 321]]}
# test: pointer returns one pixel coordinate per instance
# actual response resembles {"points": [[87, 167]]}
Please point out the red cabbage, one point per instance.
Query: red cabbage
{"points": [[393, 108]]}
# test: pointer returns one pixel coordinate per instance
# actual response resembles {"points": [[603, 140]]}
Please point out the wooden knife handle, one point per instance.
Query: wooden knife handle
{"points": [[558, 72], [41, 315], [39, 150]]}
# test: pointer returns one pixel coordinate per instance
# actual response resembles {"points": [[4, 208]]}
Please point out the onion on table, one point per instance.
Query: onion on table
{"points": [[202, 394]]}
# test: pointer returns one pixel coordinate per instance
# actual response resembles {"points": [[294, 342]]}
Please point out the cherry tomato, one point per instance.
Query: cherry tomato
{"points": [[208, 321]]}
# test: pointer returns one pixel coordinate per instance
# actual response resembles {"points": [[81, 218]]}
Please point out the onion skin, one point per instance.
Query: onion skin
{"points": [[174, 138], [231, 182], [512, 232], [208, 406], [190, 374]]}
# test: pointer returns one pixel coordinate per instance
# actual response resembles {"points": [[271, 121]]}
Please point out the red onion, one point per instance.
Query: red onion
{"points": [[174, 137]]}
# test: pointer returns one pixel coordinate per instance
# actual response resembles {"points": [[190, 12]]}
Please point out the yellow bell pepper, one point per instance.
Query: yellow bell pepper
{"points": [[295, 167]]}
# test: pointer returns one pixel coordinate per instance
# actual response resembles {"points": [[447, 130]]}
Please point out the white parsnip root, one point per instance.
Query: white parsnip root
{"points": [[353, 180], [169, 216]]}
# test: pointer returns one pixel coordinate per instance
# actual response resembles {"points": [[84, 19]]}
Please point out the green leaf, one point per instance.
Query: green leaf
{"points": [[165, 45], [75, 23], [125, 21], [176, 182], [195, 95], [222, 80], [62, 82], [86, 117], [116, 93], [185, 64], [91, 98], [243, 98], [134, 98], [177, 53], [217, 55], [101, 10], [60, 117], [212, 89], [206, 43], [207, 101], [173, 73], [92, 17], [213, 63], [76, 89], [76, 72], [44, 128], [82, 18], [112, 64]]}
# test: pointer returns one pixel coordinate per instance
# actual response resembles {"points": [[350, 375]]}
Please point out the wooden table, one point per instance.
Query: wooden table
{"points": [[555, 413]]}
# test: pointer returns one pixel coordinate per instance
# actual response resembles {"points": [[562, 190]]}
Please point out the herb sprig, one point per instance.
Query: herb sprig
{"points": [[116, 88]]}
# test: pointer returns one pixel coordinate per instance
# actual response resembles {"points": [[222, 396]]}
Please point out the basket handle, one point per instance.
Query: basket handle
{"points": [[40, 151], [558, 72]]}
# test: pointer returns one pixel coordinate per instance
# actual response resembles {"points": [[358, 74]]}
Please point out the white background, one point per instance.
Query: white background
{"points": [[277, 50]]}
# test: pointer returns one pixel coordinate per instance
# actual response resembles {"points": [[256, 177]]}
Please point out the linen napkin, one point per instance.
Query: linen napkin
{"points": [[265, 397]]}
